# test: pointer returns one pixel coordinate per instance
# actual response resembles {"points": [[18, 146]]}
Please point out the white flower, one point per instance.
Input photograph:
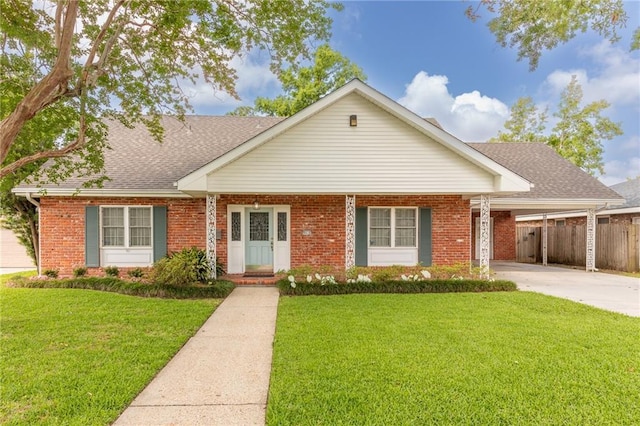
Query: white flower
{"points": [[404, 277], [293, 284], [291, 279], [309, 279], [318, 277], [426, 274]]}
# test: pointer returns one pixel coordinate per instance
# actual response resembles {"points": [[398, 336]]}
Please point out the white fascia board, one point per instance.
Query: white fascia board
{"points": [[547, 204], [567, 214], [69, 192], [506, 181]]}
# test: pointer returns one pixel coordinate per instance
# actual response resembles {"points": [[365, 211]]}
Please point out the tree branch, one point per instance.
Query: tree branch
{"points": [[53, 86]]}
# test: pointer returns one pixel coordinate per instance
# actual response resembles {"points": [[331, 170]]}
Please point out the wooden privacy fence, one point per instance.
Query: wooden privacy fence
{"points": [[617, 246]]}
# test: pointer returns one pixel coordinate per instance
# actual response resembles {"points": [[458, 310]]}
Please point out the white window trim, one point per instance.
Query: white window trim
{"points": [[393, 227], [603, 217], [126, 227]]}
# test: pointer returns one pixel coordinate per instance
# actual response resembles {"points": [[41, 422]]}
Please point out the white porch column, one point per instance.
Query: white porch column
{"points": [[591, 240], [485, 221], [544, 239], [350, 232], [211, 233]]}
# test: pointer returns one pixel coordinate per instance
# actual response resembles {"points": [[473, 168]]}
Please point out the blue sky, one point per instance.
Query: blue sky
{"points": [[430, 58]]}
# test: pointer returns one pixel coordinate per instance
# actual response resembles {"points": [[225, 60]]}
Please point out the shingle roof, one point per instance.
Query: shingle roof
{"points": [[137, 161], [553, 176], [630, 190]]}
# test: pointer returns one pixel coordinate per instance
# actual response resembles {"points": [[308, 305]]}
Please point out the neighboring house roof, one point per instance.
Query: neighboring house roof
{"points": [[630, 190], [555, 179]]}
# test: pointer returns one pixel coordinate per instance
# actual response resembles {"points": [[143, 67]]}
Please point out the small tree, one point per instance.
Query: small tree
{"points": [[525, 124]]}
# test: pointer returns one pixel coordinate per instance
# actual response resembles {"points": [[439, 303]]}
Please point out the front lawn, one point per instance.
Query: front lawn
{"points": [[79, 357], [472, 358]]}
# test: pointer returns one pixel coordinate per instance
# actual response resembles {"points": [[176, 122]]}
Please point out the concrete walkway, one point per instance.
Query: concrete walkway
{"points": [[221, 375], [616, 293]]}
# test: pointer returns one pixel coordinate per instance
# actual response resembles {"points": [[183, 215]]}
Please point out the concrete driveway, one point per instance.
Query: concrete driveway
{"points": [[615, 293]]}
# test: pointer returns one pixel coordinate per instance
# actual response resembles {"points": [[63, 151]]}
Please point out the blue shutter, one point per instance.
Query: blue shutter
{"points": [[424, 239], [159, 232], [361, 236], [91, 236]]}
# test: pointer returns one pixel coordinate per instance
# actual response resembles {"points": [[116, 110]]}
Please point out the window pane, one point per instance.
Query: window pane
{"points": [[405, 228], [236, 226], [282, 226], [258, 226], [380, 218], [380, 227], [380, 237], [113, 226], [139, 226]]}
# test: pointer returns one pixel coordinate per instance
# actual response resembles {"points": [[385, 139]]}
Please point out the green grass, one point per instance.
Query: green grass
{"points": [[79, 357], [471, 358]]}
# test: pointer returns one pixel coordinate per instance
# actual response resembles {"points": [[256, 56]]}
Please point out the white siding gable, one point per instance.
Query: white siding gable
{"points": [[323, 154]]}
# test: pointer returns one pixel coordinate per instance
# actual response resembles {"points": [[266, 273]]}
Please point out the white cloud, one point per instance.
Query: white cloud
{"points": [[469, 116], [616, 78], [254, 78], [616, 171]]}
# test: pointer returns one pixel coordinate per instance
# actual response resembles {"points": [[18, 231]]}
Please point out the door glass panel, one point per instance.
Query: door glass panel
{"points": [[282, 226], [259, 226], [236, 227]]}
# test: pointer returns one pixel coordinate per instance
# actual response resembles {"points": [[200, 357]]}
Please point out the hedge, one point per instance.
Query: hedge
{"points": [[220, 289], [396, 286]]}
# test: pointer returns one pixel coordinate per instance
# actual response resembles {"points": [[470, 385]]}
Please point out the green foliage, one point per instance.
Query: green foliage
{"points": [[217, 289], [303, 86], [72, 357], [136, 273], [51, 273], [580, 130], [578, 134], [395, 286], [105, 61], [504, 358], [525, 123], [112, 271], [80, 271], [183, 268], [534, 26]]}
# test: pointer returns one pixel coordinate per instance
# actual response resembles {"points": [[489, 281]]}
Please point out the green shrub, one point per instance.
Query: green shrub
{"points": [[112, 271], [80, 271], [396, 286], [136, 273], [51, 273], [188, 266], [218, 289]]}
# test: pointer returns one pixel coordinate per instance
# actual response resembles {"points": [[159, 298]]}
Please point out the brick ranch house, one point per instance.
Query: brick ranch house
{"points": [[354, 179]]}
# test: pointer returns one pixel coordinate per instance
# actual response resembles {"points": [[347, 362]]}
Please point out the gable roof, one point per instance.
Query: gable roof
{"points": [[505, 180], [555, 179]]}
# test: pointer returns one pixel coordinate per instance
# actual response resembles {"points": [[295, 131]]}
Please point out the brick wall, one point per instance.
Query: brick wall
{"points": [[504, 236], [62, 224], [450, 217]]}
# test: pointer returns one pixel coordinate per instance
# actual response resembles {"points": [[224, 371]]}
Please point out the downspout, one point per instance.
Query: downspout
{"points": [[37, 204]]}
